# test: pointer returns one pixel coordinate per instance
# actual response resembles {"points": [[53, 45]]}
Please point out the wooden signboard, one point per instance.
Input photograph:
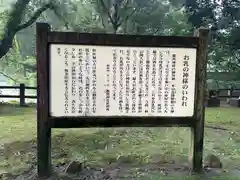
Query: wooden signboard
{"points": [[106, 80]]}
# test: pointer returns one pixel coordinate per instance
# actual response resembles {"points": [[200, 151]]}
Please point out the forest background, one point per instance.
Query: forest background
{"points": [[142, 17]]}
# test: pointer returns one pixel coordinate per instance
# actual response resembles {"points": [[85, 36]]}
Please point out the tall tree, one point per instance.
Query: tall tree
{"points": [[223, 17], [152, 17], [15, 22]]}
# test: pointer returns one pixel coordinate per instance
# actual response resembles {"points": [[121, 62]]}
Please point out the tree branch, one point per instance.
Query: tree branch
{"points": [[8, 76], [127, 17], [101, 15], [61, 17], [29, 67], [109, 15], [156, 31], [35, 16], [102, 21], [68, 24], [115, 19], [10, 28], [14, 24]]}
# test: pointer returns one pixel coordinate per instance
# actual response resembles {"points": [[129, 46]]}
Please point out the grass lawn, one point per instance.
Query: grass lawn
{"points": [[142, 153]]}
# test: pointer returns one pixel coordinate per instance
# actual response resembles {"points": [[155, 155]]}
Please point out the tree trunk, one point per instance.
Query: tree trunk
{"points": [[14, 23]]}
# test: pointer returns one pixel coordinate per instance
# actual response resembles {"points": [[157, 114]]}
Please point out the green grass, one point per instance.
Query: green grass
{"points": [[134, 149]]}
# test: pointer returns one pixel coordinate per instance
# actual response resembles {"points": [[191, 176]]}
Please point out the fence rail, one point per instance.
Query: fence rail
{"points": [[221, 93], [226, 93], [22, 93]]}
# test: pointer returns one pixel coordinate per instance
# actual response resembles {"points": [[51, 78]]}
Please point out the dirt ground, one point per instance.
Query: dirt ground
{"points": [[124, 171]]}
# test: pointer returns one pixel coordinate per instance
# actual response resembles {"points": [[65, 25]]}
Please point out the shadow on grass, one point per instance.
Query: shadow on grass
{"points": [[15, 110], [135, 151], [97, 149]]}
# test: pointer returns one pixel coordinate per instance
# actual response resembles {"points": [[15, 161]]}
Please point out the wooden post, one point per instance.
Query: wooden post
{"points": [[231, 92], [22, 95], [43, 125], [197, 130]]}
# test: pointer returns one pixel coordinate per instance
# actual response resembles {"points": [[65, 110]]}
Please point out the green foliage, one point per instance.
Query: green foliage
{"points": [[3, 20], [223, 17], [152, 17], [20, 68], [133, 16]]}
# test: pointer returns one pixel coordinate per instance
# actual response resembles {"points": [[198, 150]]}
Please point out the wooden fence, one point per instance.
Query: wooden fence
{"points": [[221, 93], [227, 93], [22, 93]]}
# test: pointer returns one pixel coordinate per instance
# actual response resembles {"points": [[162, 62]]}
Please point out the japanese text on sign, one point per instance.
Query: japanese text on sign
{"points": [[121, 81]]}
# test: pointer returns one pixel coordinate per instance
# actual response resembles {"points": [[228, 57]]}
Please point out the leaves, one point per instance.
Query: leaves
{"points": [[223, 17], [152, 17]]}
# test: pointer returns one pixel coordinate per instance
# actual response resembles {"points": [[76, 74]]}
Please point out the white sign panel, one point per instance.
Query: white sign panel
{"points": [[121, 81]]}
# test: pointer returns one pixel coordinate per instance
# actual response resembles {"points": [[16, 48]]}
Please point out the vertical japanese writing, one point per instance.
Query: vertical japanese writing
{"points": [[127, 81], [185, 80], [121, 81], [94, 80], [114, 76], [74, 79], [173, 67], [107, 91], [140, 94], [173, 88], [121, 66], [146, 104], [160, 70], [134, 81], [87, 82], [166, 85], [59, 51], [66, 81], [80, 80], [173, 98], [154, 61]]}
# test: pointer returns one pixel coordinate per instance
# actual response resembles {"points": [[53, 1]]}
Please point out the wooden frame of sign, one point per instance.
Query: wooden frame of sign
{"points": [[55, 111]]}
